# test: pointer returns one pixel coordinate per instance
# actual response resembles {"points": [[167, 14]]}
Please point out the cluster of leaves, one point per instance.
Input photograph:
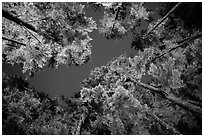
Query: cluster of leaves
{"points": [[113, 111], [96, 111], [59, 34], [172, 89], [27, 112], [120, 18], [166, 74], [109, 103], [22, 107]]}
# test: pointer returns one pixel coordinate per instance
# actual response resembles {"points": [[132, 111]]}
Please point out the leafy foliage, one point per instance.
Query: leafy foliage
{"points": [[120, 18], [26, 111], [119, 75], [61, 38], [114, 99]]}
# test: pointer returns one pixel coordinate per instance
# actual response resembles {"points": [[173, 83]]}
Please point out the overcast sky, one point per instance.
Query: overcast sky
{"points": [[66, 80]]}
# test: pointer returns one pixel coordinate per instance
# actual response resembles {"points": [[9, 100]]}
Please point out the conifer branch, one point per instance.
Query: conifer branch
{"points": [[163, 18], [184, 104], [33, 35], [180, 45], [117, 13], [78, 130], [14, 41], [164, 124], [116, 17], [18, 21]]}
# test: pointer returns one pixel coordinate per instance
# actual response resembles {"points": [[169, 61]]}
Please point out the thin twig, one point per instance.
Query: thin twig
{"points": [[37, 20]]}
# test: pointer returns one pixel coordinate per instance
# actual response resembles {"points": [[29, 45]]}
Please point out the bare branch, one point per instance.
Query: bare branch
{"points": [[37, 20], [116, 17], [33, 35], [184, 104], [14, 41], [163, 18], [78, 130], [180, 45], [20, 22], [164, 124], [117, 13], [9, 16]]}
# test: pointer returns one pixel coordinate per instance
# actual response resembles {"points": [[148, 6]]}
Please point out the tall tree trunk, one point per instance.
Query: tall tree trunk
{"points": [[184, 104]]}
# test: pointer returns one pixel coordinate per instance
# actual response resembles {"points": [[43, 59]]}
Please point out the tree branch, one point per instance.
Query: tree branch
{"points": [[117, 13], [189, 38], [14, 41], [184, 104], [180, 45], [33, 35], [20, 22], [9, 16], [163, 18], [164, 124], [78, 130], [116, 17]]}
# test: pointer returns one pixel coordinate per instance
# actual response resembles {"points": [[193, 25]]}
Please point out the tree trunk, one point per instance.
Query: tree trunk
{"points": [[184, 104]]}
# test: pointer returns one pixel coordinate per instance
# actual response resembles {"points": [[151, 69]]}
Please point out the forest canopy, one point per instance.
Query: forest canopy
{"points": [[114, 99]]}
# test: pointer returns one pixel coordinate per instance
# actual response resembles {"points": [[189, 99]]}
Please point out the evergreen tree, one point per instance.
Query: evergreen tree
{"points": [[39, 34], [114, 99]]}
